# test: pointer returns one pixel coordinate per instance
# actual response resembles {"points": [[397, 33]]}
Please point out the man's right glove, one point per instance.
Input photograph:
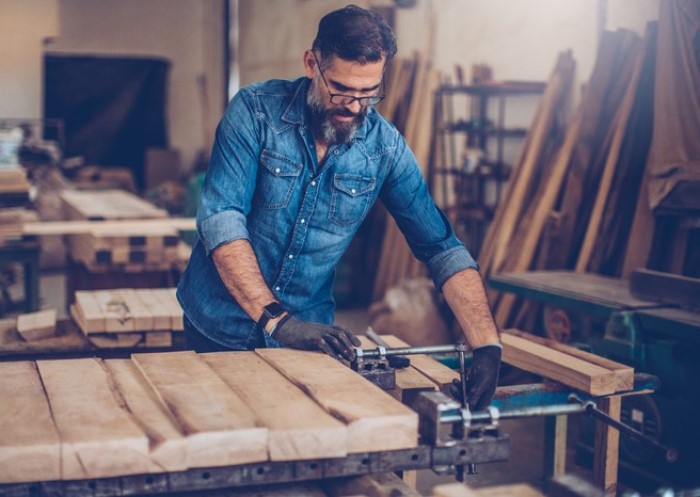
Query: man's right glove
{"points": [[482, 378], [333, 340]]}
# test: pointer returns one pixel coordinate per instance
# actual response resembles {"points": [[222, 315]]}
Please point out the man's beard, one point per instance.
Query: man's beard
{"points": [[322, 123]]}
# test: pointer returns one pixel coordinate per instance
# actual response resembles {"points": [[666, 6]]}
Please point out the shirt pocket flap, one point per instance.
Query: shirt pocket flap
{"points": [[279, 165], [353, 185]]}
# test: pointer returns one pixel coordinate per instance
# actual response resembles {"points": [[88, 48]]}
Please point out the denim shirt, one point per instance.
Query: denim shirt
{"points": [[264, 184]]}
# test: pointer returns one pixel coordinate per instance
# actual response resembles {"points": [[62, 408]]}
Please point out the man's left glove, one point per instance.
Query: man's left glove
{"points": [[305, 335], [482, 378]]}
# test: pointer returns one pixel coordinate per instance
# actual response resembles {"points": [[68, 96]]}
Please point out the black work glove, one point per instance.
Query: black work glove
{"points": [[333, 340], [481, 379]]}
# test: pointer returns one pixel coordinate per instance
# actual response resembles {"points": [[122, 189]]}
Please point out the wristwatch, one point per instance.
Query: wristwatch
{"points": [[270, 311]]}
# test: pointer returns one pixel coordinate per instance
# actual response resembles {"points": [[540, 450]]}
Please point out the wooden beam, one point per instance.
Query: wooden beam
{"points": [[375, 420], [299, 429], [569, 370], [219, 427], [30, 449], [125, 227]]}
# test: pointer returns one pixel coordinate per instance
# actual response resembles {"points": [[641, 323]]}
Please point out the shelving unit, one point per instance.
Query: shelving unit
{"points": [[472, 166]]}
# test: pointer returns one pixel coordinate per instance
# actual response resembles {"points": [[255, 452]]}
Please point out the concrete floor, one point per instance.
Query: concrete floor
{"points": [[527, 436]]}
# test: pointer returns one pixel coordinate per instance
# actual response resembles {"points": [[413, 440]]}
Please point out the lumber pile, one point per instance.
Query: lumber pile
{"points": [[131, 246], [14, 187], [128, 317], [154, 413], [574, 208]]}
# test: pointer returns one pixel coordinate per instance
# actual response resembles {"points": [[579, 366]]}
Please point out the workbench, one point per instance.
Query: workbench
{"points": [[655, 336]]}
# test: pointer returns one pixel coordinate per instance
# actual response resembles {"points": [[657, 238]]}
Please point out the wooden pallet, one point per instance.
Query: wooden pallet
{"points": [[77, 419], [128, 317]]}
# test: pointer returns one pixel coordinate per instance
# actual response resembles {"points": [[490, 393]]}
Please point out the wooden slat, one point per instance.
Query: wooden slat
{"points": [[101, 228], [88, 308], [566, 369], [298, 427], [219, 427], [375, 420], [116, 314], [37, 325], [139, 312], [167, 298], [623, 373], [29, 451], [98, 437], [110, 204], [379, 485], [166, 443], [159, 312], [437, 372]]}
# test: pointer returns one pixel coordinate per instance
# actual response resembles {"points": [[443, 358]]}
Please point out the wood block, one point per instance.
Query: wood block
{"points": [[220, 428], [433, 369], [37, 325], [169, 302], [623, 373], [299, 428], [140, 314], [116, 314], [88, 308], [166, 443], [158, 311], [30, 449], [375, 420], [159, 339], [98, 437], [564, 368]]}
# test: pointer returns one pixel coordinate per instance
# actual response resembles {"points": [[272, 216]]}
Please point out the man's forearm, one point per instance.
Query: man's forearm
{"points": [[240, 272], [465, 294]]}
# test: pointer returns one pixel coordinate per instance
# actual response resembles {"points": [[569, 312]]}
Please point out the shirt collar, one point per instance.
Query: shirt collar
{"points": [[296, 111]]}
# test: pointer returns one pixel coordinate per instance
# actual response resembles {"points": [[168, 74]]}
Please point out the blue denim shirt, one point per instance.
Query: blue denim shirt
{"points": [[264, 184]]}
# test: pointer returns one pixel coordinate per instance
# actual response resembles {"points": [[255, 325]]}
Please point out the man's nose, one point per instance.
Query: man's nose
{"points": [[354, 106]]}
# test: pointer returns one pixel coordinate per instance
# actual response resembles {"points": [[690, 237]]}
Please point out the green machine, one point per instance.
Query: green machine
{"points": [[650, 322]]}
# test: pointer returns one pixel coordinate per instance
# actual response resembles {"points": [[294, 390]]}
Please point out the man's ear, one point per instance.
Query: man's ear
{"points": [[309, 64]]}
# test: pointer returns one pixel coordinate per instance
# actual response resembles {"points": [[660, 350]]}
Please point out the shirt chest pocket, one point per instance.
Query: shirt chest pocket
{"points": [[276, 178], [351, 198]]}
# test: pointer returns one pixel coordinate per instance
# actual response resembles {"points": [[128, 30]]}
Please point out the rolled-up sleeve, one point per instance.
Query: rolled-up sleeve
{"points": [[427, 230], [229, 184]]}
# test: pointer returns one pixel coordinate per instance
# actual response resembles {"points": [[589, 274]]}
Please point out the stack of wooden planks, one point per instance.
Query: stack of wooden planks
{"points": [[78, 419], [578, 212], [132, 246], [14, 187], [128, 317]]}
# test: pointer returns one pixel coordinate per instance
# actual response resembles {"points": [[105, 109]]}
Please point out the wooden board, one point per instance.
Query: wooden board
{"points": [[298, 427], [220, 428], [623, 373], [98, 437], [166, 444], [109, 205], [125, 227], [375, 420], [378, 485], [37, 325], [437, 372], [569, 370], [28, 451]]}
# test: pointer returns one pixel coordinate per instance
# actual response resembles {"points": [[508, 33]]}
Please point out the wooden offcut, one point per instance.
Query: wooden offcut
{"points": [[220, 428], [299, 428], [28, 451], [375, 420], [37, 325]]}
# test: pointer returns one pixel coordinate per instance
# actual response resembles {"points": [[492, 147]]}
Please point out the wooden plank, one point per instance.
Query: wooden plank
{"points": [[98, 437], [88, 308], [409, 381], [375, 420], [299, 428], [37, 325], [453, 490], [158, 311], [169, 302], [110, 204], [30, 449], [437, 372], [377, 485], [607, 447], [668, 288], [566, 369], [220, 428], [125, 227], [166, 443], [159, 339], [623, 373], [139, 312], [116, 314]]}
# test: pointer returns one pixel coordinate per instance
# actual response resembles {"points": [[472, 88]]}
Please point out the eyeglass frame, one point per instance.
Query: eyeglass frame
{"points": [[364, 101]]}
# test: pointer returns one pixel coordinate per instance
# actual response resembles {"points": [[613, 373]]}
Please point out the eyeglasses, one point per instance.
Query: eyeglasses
{"points": [[340, 99]]}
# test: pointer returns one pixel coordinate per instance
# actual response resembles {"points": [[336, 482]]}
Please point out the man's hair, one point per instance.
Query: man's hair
{"points": [[355, 34]]}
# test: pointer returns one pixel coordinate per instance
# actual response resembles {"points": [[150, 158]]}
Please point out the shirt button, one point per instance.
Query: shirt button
{"points": [[302, 221], [277, 171], [291, 256], [277, 289], [353, 191], [336, 152], [313, 183]]}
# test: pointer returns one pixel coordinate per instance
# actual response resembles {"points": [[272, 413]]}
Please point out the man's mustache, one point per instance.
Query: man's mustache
{"points": [[344, 113]]}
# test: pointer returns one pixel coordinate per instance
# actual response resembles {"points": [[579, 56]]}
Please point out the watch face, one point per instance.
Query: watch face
{"points": [[274, 309]]}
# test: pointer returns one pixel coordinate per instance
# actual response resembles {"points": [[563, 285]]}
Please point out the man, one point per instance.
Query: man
{"points": [[295, 168]]}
